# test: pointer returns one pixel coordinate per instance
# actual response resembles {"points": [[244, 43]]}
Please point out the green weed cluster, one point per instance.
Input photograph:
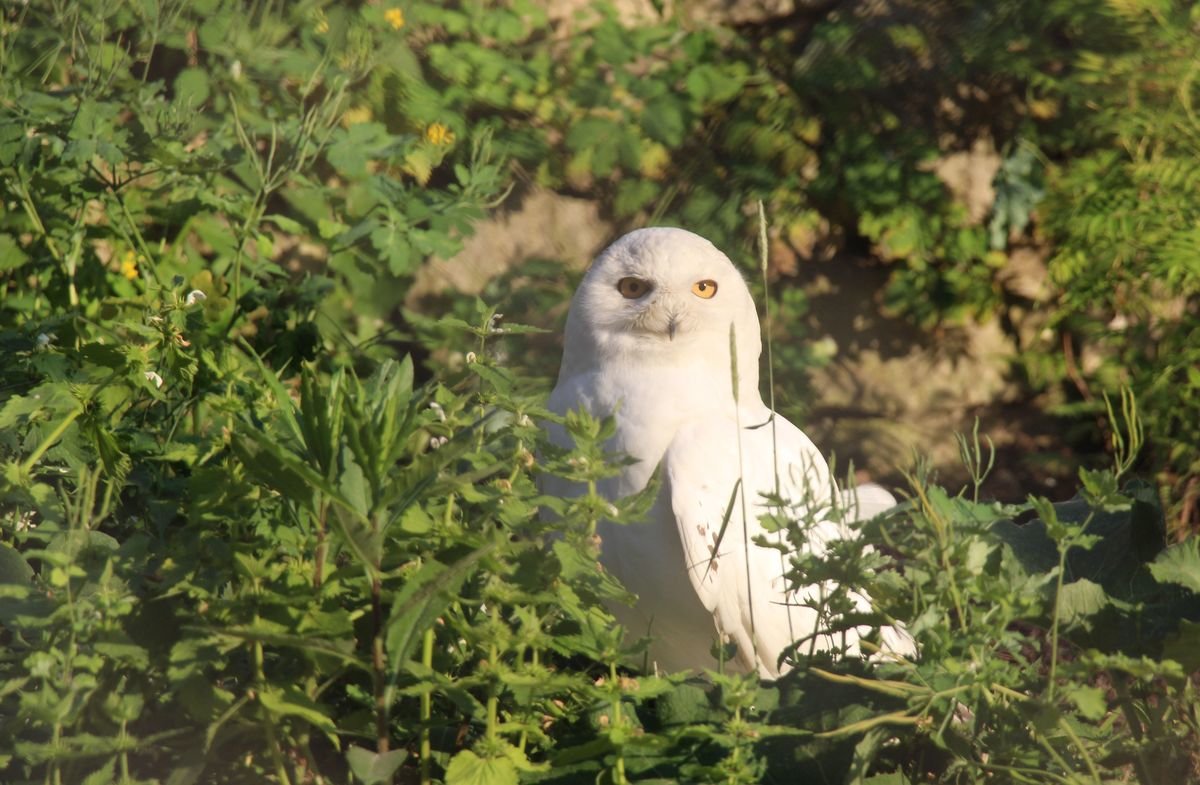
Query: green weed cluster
{"points": [[241, 540]]}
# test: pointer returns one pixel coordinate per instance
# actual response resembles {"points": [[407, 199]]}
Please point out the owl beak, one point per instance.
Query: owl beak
{"points": [[672, 325]]}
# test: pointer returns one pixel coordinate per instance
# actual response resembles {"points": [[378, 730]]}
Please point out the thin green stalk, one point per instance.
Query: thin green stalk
{"points": [[50, 440], [1121, 684], [1063, 547], [35, 218], [1058, 587], [378, 668], [939, 529], [618, 721], [322, 549], [426, 710], [737, 416], [1083, 753], [493, 701], [762, 265], [122, 742], [736, 753], [1053, 753], [267, 723]]}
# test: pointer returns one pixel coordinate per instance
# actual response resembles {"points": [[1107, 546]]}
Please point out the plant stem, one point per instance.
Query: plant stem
{"points": [[322, 547], [1083, 753], [618, 721], [1063, 547], [123, 740], [1062, 561], [267, 722], [493, 701], [426, 708], [50, 439], [379, 676]]}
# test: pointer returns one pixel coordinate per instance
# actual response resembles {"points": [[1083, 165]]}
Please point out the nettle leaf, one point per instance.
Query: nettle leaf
{"points": [[354, 147], [374, 767], [12, 255], [1088, 699], [664, 120], [1080, 600], [467, 768], [425, 596], [1179, 564], [13, 567]]}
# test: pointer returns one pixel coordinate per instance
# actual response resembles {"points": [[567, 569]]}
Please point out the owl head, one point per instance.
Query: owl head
{"points": [[662, 296]]}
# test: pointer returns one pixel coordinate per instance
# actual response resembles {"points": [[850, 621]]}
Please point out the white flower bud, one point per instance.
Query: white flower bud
{"points": [[195, 296]]}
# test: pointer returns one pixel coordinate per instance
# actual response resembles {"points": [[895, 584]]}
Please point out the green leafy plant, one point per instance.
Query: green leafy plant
{"points": [[246, 537]]}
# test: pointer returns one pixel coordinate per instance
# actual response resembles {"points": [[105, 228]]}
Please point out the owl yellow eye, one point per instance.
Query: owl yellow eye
{"points": [[704, 289], [633, 288]]}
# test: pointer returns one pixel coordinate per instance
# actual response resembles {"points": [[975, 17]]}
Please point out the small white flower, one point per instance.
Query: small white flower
{"points": [[438, 410], [152, 376], [235, 70], [437, 441], [154, 319], [471, 358], [524, 421], [612, 510], [493, 323], [43, 340], [195, 296]]}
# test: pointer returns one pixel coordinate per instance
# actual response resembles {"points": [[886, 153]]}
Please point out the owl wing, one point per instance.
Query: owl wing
{"points": [[715, 478]]}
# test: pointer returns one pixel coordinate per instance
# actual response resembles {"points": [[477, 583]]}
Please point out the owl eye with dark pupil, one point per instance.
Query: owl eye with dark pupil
{"points": [[705, 289], [632, 288]]}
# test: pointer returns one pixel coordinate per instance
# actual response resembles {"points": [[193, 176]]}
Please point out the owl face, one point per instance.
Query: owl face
{"points": [[663, 288]]}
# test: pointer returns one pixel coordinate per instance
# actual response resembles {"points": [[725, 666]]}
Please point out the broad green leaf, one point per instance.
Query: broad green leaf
{"points": [[467, 768], [1090, 700], [425, 595], [664, 120], [374, 767], [12, 255], [1179, 564], [13, 567], [192, 87], [289, 225], [1081, 599]]}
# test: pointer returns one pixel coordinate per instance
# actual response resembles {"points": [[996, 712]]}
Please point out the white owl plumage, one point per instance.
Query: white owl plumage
{"points": [[648, 340]]}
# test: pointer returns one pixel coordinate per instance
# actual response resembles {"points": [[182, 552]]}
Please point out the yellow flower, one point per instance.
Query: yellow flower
{"points": [[394, 17], [439, 134], [356, 115], [129, 265], [322, 22]]}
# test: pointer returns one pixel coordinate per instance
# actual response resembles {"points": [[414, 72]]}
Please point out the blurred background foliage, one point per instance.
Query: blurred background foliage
{"points": [[202, 197]]}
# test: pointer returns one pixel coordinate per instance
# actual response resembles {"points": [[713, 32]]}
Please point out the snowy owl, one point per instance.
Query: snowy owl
{"points": [[648, 340]]}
